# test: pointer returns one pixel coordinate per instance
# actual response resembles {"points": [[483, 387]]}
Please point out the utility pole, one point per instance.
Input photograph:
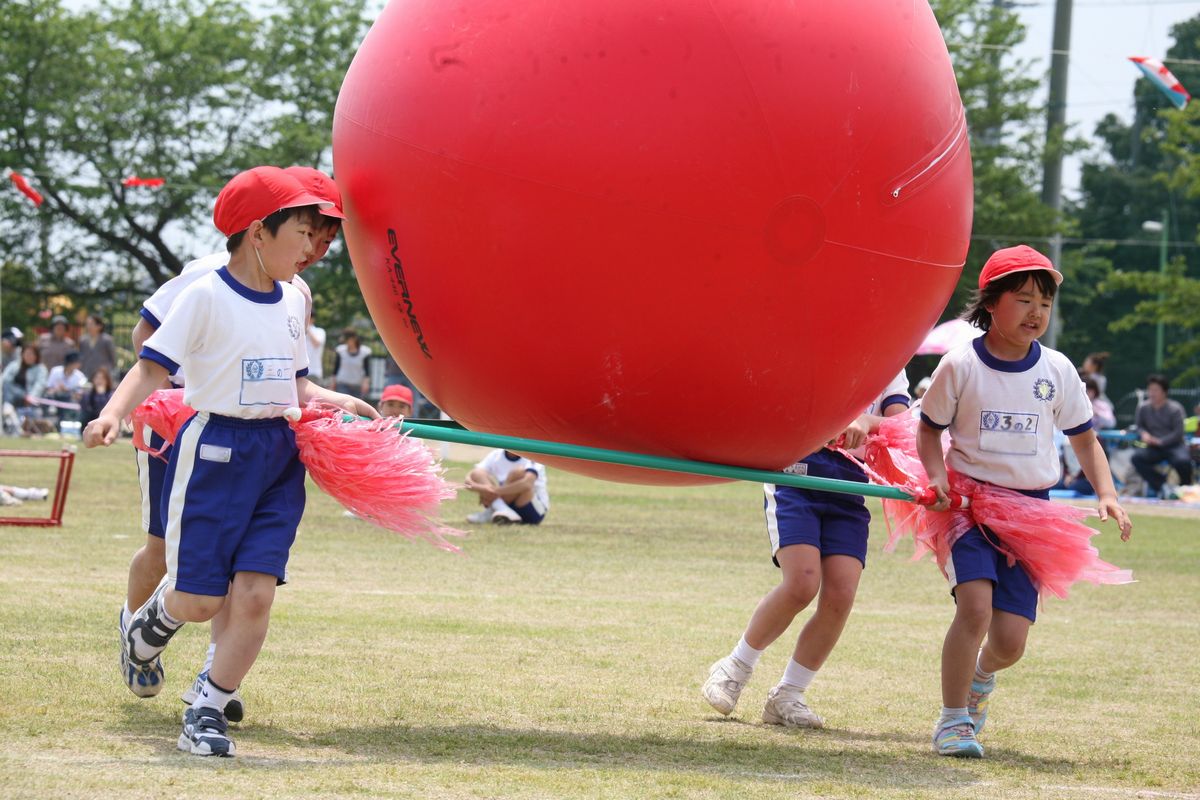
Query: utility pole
{"points": [[1154, 226], [1056, 117]]}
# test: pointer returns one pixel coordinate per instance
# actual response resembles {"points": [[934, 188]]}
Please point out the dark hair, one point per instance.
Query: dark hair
{"points": [[324, 223], [1090, 385], [99, 320], [19, 378], [976, 311], [274, 221], [1160, 379], [1098, 360], [71, 358], [107, 379]]}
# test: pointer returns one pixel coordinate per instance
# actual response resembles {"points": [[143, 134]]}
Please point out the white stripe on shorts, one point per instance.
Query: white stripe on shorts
{"points": [[143, 468], [185, 460], [772, 520]]}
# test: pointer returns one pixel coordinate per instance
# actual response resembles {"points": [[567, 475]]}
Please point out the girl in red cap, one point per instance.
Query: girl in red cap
{"points": [[233, 491], [1001, 397]]}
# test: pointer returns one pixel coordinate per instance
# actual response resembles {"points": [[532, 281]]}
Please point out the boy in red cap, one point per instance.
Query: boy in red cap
{"points": [[1001, 397], [148, 565], [396, 401], [234, 486]]}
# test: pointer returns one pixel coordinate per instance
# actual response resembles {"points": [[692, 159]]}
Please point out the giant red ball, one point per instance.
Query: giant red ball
{"points": [[709, 230]]}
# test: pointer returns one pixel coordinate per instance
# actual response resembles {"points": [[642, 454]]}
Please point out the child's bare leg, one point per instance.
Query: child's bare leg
{"points": [[1006, 639], [801, 567], [146, 571], [525, 497], [840, 575], [972, 617], [250, 598]]}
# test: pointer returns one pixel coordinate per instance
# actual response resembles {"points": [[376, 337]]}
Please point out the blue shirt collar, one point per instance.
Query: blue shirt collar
{"points": [[273, 296], [999, 364]]}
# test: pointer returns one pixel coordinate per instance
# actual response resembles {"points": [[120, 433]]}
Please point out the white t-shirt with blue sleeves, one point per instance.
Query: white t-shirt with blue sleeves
{"points": [[242, 349], [1002, 414]]}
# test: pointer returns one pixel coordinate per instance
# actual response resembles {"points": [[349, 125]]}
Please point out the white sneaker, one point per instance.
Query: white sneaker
{"points": [[480, 517], [506, 516], [786, 706], [726, 679]]}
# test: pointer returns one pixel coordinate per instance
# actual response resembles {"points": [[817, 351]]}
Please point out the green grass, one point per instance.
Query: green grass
{"points": [[565, 661]]}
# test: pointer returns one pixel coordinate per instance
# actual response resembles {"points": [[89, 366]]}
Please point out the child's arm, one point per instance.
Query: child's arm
{"points": [[1095, 466], [306, 390], [136, 386], [513, 489], [929, 448]]}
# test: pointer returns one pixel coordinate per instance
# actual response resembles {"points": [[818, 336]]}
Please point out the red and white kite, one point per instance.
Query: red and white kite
{"points": [[24, 187], [1161, 77], [134, 180]]}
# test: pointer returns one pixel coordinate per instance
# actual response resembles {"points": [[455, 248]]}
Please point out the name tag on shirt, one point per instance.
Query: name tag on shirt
{"points": [[267, 382], [1008, 433]]}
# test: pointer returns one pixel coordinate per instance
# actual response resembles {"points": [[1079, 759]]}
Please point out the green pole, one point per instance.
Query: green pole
{"points": [[451, 432]]}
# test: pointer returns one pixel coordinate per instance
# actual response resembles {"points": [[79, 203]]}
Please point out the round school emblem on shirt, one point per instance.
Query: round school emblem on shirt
{"points": [[293, 327], [1043, 389], [254, 370], [991, 420]]}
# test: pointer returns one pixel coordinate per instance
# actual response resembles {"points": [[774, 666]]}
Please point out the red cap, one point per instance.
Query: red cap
{"points": [[322, 186], [1021, 258], [258, 193], [397, 392]]}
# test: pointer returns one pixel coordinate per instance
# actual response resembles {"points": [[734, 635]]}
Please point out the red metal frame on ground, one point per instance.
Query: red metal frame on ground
{"points": [[66, 462]]}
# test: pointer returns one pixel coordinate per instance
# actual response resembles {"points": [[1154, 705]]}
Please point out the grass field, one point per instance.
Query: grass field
{"points": [[565, 661]]}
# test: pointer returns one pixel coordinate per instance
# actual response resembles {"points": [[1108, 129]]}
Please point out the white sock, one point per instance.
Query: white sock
{"points": [[126, 615], [157, 601], [746, 654], [208, 659], [797, 675], [949, 714], [980, 674], [22, 493], [213, 696], [498, 505]]}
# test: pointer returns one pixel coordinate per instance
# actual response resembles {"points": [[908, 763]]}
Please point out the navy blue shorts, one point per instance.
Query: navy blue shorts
{"points": [[834, 523], [151, 470], [532, 513], [234, 497], [973, 557]]}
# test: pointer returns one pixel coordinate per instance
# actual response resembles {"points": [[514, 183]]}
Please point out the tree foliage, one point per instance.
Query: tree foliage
{"points": [[188, 90]]}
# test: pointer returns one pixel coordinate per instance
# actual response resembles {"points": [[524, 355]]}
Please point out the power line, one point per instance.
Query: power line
{"points": [[1008, 237]]}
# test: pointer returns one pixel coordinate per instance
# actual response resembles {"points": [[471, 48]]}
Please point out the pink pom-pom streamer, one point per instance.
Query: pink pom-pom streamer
{"points": [[164, 412], [379, 473], [1048, 539]]}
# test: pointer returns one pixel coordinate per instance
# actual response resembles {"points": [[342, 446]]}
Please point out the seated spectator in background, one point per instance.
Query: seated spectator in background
{"points": [[1159, 423], [55, 345], [397, 401], [511, 489], [10, 346], [66, 384], [1103, 415], [24, 381], [96, 347], [350, 370], [1093, 367], [96, 396]]}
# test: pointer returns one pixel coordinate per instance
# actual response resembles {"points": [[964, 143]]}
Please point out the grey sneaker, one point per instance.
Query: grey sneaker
{"points": [[786, 706], [235, 709], [144, 680], [206, 733], [480, 517], [726, 679]]}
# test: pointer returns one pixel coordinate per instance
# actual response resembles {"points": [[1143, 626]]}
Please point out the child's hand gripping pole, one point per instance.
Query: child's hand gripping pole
{"points": [[929, 498]]}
